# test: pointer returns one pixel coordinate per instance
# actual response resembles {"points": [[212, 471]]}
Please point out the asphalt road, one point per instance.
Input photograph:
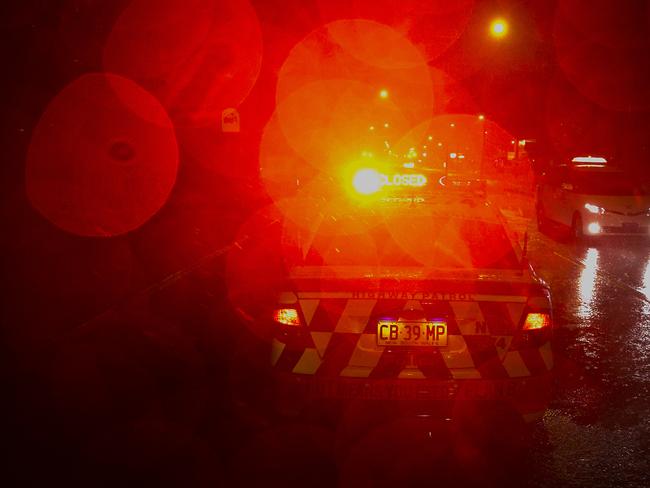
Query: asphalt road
{"points": [[164, 390], [597, 431]]}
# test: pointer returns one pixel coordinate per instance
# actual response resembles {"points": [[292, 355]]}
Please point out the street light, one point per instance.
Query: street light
{"points": [[481, 118], [499, 28]]}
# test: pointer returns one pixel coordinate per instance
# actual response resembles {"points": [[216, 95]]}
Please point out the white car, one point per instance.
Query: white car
{"points": [[593, 199]]}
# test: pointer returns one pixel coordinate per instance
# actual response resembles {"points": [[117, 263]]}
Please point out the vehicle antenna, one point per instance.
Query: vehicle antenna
{"points": [[525, 249]]}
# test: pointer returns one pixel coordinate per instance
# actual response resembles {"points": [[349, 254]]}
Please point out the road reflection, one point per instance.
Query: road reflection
{"points": [[587, 283], [646, 282], [640, 340]]}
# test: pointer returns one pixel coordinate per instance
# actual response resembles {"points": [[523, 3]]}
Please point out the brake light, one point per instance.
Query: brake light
{"points": [[286, 316], [536, 321]]}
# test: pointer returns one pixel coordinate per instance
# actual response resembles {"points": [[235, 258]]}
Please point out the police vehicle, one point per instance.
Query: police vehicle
{"points": [[593, 199], [430, 305]]}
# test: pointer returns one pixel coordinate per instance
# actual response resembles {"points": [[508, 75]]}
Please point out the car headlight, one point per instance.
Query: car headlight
{"points": [[594, 228], [594, 209]]}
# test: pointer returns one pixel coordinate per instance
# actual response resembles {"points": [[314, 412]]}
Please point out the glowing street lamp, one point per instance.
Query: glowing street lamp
{"points": [[481, 119], [499, 28]]}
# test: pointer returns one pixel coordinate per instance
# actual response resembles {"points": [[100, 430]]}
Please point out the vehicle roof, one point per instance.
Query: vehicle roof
{"points": [[413, 273]]}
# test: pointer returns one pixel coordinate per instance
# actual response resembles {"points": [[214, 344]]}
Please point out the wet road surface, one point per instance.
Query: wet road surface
{"points": [[598, 427]]}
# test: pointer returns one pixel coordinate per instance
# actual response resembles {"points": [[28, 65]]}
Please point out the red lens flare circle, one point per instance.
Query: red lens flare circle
{"points": [[96, 167], [431, 26], [602, 49], [197, 56], [367, 52]]}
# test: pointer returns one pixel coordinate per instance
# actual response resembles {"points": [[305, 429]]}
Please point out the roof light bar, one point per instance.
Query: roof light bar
{"points": [[589, 160]]}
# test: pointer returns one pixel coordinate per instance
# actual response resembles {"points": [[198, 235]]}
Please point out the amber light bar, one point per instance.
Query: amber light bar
{"points": [[286, 316]]}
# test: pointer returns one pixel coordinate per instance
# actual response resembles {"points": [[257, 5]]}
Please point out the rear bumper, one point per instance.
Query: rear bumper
{"points": [[528, 396]]}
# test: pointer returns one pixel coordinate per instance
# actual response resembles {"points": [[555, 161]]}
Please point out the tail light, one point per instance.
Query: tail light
{"points": [[287, 316], [537, 326], [537, 321]]}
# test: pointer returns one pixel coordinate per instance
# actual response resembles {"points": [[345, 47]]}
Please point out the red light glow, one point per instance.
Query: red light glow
{"points": [[536, 321], [96, 167], [499, 28], [432, 26], [286, 316], [196, 56], [367, 181]]}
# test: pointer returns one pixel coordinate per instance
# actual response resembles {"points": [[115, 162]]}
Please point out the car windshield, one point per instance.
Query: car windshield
{"points": [[608, 184]]}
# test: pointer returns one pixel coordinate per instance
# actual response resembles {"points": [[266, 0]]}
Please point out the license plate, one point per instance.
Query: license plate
{"points": [[393, 333]]}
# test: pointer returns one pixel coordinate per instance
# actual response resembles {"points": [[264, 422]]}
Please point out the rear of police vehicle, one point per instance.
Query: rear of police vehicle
{"points": [[429, 304]]}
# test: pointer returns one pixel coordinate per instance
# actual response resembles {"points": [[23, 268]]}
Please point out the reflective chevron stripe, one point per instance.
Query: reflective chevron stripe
{"points": [[287, 298], [321, 340], [355, 316], [341, 338], [547, 355], [308, 363], [366, 353], [514, 365], [277, 348], [308, 308], [461, 357]]}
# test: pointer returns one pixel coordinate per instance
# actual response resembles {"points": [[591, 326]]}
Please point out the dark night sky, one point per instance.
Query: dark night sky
{"points": [[517, 82]]}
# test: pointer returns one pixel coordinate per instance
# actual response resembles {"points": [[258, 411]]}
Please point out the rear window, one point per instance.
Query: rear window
{"points": [[442, 243]]}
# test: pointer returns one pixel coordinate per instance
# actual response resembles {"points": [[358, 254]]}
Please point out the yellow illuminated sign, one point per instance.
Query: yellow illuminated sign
{"points": [[368, 181], [403, 180]]}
